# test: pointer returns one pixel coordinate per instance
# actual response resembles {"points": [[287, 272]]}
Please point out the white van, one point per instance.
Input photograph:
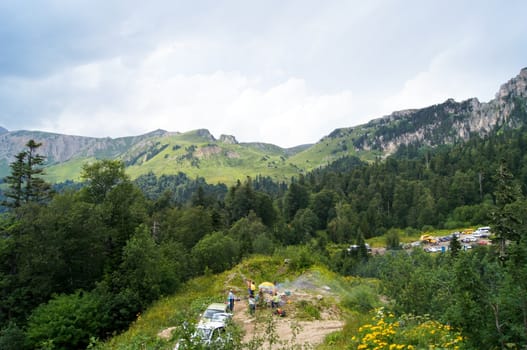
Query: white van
{"points": [[482, 232]]}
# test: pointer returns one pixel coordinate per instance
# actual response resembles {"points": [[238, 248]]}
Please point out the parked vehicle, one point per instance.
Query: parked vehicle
{"points": [[209, 334], [212, 309], [221, 317], [356, 247], [482, 232], [469, 239], [428, 239]]}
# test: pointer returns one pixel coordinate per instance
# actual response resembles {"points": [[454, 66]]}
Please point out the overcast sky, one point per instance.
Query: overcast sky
{"points": [[283, 72]]}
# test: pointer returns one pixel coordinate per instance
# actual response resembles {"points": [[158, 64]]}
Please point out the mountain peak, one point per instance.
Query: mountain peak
{"points": [[229, 139], [516, 87], [3, 130], [202, 133]]}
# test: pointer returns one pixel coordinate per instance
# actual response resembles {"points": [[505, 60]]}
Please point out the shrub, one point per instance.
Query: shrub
{"points": [[407, 332], [65, 322], [307, 310], [12, 338], [362, 298]]}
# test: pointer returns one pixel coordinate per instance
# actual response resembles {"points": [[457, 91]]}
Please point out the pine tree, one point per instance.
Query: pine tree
{"points": [[15, 182], [25, 183], [509, 214]]}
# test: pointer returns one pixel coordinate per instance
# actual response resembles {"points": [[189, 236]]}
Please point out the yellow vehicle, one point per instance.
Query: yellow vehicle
{"points": [[428, 239]]}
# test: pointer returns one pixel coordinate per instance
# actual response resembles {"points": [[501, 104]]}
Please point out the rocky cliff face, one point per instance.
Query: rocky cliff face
{"points": [[58, 148], [450, 121], [229, 139], [444, 123]]}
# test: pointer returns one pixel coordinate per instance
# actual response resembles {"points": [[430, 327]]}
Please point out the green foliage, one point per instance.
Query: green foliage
{"points": [[187, 226], [145, 270], [101, 177], [455, 246], [323, 205], [263, 244], [304, 225], [65, 322], [13, 337], [216, 252], [307, 310], [296, 198], [362, 298], [510, 214], [128, 252], [392, 239], [344, 227], [180, 189], [407, 332], [25, 181], [247, 230], [298, 257], [243, 199]]}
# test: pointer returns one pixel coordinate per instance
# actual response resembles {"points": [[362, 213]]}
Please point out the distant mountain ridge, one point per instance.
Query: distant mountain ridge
{"points": [[198, 153], [443, 123]]}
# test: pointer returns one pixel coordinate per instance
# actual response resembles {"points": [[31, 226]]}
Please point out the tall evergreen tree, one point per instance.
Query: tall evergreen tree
{"points": [[25, 182], [510, 213]]}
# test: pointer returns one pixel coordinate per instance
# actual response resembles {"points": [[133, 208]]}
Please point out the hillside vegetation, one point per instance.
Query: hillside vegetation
{"points": [[198, 154], [170, 312], [82, 262], [109, 251]]}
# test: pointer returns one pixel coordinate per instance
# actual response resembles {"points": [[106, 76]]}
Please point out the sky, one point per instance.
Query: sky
{"points": [[276, 71]]}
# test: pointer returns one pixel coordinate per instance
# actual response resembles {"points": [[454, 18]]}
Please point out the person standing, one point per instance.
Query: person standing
{"points": [[231, 297], [275, 302], [249, 287], [252, 304]]}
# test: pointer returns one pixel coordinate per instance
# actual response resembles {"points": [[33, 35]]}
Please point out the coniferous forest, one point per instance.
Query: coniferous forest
{"points": [[81, 262]]}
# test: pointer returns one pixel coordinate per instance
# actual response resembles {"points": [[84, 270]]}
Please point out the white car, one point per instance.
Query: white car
{"points": [[212, 333], [212, 309]]}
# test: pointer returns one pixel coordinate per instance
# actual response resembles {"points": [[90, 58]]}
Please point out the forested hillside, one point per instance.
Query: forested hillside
{"points": [[78, 265]]}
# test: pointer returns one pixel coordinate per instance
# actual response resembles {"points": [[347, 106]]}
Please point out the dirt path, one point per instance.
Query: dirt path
{"points": [[289, 329], [309, 333]]}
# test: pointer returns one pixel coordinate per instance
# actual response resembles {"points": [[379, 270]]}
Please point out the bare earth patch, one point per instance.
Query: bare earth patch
{"points": [[308, 332], [289, 329]]}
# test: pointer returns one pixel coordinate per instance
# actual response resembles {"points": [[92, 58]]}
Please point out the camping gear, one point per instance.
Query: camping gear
{"points": [[267, 287]]}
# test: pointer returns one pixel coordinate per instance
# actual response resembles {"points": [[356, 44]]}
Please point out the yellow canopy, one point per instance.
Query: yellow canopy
{"points": [[266, 286]]}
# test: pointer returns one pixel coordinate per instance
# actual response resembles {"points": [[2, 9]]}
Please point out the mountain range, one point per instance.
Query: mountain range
{"points": [[198, 153]]}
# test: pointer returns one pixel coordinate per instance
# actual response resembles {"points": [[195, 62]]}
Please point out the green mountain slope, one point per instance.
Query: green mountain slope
{"points": [[198, 153]]}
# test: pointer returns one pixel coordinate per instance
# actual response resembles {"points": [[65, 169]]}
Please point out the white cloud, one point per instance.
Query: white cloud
{"points": [[279, 72], [448, 75], [110, 98]]}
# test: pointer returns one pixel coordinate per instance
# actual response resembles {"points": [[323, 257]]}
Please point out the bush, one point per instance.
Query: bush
{"points": [[65, 322], [407, 332], [307, 310], [12, 338], [392, 239], [298, 257], [362, 298]]}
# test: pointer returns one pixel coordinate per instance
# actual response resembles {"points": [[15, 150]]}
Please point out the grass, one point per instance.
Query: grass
{"points": [[194, 154], [197, 293]]}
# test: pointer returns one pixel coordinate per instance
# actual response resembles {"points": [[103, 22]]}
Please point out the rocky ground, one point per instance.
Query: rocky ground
{"points": [[292, 330]]}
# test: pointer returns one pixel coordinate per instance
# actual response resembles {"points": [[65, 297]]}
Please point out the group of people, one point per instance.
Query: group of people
{"points": [[261, 300], [256, 299]]}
